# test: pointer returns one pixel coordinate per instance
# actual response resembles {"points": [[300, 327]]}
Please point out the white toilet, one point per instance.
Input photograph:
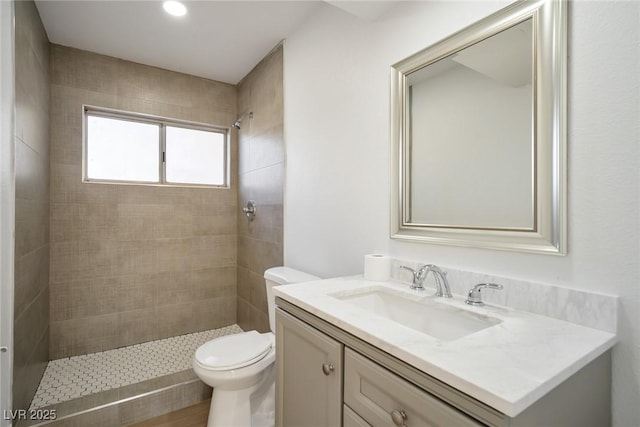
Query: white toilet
{"points": [[241, 367]]}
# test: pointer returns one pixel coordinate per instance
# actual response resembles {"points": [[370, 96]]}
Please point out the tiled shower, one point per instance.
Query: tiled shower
{"points": [[102, 267], [132, 263]]}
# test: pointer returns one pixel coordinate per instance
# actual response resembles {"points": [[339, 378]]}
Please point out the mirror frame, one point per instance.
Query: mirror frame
{"points": [[549, 234]]}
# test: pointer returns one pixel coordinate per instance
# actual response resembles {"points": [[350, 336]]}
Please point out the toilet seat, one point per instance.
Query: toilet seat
{"points": [[233, 351]]}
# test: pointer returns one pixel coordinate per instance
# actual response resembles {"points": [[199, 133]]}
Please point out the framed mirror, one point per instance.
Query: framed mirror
{"points": [[478, 134]]}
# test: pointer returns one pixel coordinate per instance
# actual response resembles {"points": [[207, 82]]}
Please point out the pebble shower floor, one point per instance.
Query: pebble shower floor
{"points": [[66, 379]]}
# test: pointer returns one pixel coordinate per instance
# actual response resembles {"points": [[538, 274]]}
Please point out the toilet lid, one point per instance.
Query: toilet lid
{"points": [[233, 351]]}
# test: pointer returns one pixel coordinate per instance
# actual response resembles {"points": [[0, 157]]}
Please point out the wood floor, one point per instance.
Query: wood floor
{"points": [[193, 416]]}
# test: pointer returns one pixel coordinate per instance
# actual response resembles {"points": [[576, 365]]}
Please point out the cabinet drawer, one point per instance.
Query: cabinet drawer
{"points": [[351, 419], [376, 395]]}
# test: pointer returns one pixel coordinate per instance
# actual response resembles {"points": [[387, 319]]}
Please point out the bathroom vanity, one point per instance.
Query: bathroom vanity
{"points": [[344, 358]]}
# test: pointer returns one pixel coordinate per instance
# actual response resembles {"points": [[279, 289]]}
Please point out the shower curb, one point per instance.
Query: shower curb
{"points": [[132, 409]]}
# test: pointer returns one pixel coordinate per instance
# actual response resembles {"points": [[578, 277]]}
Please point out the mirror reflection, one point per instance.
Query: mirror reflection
{"points": [[470, 155]]}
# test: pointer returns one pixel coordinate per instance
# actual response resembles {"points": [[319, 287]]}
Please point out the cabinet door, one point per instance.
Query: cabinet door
{"points": [[309, 382]]}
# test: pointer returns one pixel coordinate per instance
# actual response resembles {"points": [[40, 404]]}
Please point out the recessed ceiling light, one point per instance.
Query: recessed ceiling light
{"points": [[174, 8]]}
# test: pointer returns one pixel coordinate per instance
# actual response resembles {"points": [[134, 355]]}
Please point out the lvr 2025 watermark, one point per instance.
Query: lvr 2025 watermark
{"points": [[30, 414]]}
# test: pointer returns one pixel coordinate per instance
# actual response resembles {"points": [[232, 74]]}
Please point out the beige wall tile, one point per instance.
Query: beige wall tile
{"points": [[67, 102], [136, 81], [149, 406], [177, 319], [267, 226], [82, 336], [192, 114], [31, 57], [258, 297], [212, 251], [137, 326], [31, 278], [214, 312], [242, 311], [79, 221], [267, 148], [155, 384], [66, 145], [250, 318], [83, 70], [83, 298], [215, 282], [261, 151], [180, 287], [243, 286], [267, 101], [28, 23], [136, 291], [32, 117], [266, 184], [67, 187], [27, 376], [30, 327], [32, 225], [175, 287], [154, 84], [32, 173], [252, 289], [83, 259], [258, 255], [135, 222], [31, 263]]}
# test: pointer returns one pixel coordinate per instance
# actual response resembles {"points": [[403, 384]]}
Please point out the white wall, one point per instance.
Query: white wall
{"points": [[7, 205], [464, 172], [337, 138]]}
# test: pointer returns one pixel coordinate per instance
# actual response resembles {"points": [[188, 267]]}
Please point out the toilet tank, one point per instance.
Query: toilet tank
{"points": [[277, 276]]}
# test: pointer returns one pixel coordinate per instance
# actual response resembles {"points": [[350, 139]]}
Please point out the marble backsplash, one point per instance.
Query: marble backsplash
{"points": [[593, 310]]}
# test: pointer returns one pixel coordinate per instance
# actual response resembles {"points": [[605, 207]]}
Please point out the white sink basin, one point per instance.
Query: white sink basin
{"points": [[420, 313]]}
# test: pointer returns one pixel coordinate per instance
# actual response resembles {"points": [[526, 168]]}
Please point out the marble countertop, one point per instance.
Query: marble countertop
{"points": [[508, 366]]}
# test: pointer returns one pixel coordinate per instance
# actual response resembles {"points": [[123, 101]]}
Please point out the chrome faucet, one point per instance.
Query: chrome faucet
{"points": [[474, 297], [442, 284], [419, 276]]}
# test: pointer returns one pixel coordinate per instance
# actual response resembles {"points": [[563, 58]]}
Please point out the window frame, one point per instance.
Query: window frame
{"points": [[162, 123]]}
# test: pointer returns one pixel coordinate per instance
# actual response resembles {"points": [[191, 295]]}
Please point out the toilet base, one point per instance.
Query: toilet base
{"points": [[253, 406]]}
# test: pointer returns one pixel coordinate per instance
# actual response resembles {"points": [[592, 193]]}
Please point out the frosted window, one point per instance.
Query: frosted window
{"points": [[122, 150], [137, 148], [195, 156]]}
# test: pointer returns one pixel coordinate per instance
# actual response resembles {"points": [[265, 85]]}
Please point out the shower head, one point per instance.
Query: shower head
{"points": [[236, 125]]}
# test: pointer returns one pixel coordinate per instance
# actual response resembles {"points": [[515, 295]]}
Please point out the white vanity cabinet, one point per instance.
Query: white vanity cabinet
{"points": [[329, 377]]}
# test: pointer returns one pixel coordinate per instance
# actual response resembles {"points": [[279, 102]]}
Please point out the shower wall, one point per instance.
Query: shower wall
{"points": [[261, 172], [31, 289], [132, 263]]}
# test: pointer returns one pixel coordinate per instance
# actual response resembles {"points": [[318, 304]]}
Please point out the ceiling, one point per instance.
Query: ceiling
{"points": [[219, 40]]}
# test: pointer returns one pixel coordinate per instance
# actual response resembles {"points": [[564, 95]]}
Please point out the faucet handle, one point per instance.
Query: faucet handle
{"points": [[474, 297], [418, 276]]}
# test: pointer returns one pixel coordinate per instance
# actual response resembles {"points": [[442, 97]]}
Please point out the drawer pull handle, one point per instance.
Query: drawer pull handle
{"points": [[398, 417], [327, 368]]}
